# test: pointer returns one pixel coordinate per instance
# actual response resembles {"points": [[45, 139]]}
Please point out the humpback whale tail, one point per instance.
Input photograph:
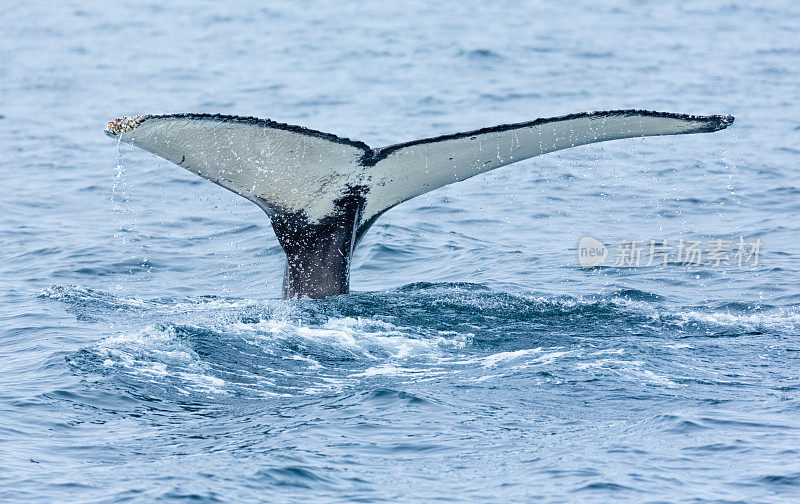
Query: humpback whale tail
{"points": [[323, 192]]}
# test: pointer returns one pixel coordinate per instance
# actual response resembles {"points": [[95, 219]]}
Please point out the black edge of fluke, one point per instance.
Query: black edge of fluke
{"points": [[712, 123], [125, 124], [372, 156], [722, 122]]}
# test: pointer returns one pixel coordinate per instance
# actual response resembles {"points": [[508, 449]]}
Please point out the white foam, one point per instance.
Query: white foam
{"points": [[369, 339], [633, 370], [503, 357], [154, 354], [781, 320], [393, 370]]}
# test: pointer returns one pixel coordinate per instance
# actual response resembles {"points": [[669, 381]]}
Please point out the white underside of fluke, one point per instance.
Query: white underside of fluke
{"points": [[285, 169], [289, 168]]}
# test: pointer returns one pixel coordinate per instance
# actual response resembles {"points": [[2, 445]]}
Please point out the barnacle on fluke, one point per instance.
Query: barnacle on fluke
{"points": [[124, 124]]}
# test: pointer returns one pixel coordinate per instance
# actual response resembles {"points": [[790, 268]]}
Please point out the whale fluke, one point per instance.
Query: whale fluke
{"points": [[323, 192]]}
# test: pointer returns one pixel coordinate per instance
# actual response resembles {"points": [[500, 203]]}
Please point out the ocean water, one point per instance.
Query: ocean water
{"points": [[146, 355]]}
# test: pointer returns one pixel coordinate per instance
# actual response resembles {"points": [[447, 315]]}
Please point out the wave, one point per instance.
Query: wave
{"points": [[198, 347]]}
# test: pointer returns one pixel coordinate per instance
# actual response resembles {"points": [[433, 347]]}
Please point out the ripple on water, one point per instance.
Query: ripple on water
{"points": [[210, 346]]}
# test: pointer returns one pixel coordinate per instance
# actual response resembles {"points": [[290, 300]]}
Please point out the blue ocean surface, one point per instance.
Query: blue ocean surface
{"points": [[146, 354]]}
